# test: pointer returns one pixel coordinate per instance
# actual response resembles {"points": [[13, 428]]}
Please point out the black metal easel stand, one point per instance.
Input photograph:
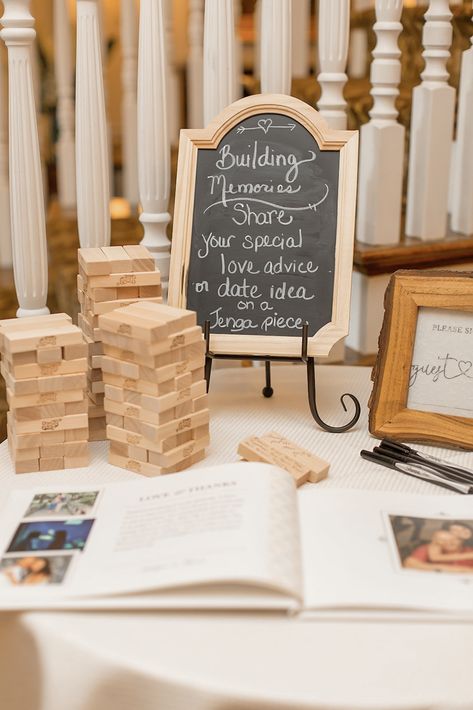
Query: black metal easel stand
{"points": [[268, 390]]}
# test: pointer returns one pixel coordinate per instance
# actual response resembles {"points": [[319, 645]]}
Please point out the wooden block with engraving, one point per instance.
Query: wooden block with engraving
{"points": [[275, 449]]}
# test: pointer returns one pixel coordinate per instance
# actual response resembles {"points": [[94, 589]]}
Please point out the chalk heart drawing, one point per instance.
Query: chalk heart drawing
{"points": [[265, 124]]}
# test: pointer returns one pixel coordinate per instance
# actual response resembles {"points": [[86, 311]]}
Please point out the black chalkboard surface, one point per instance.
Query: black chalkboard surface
{"points": [[261, 248]]}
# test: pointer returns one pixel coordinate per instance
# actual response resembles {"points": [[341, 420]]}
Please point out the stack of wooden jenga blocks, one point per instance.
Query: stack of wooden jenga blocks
{"points": [[155, 391], [110, 278], [44, 363]]}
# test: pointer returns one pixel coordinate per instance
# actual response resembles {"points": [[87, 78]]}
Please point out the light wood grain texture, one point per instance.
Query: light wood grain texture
{"points": [[275, 449], [389, 415], [327, 139]]}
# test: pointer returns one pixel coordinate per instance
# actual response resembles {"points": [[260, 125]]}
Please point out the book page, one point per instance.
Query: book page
{"points": [[226, 525], [386, 551]]}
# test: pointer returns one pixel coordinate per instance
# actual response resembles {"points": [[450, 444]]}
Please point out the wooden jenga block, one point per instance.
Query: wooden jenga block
{"points": [[81, 407], [56, 464], [157, 430], [27, 358], [129, 293], [187, 345], [119, 259], [32, 441], [94, 310], [75, 352], [43, 385], [29, 321], [89, 331], [64, 367], [27, 414], [142, 259], [40, 399], [275, 449], [150, 322], [73, 421], [25, 454], [48, 356], [27, 466], [9, 324], [87, 284], [150, 291], [76, 434], [175, 456], [94, 262], [19, 340]]}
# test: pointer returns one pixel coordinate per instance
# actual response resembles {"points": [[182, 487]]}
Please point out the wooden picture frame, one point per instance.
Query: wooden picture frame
{"points": [[346, 143], [444, 297]]}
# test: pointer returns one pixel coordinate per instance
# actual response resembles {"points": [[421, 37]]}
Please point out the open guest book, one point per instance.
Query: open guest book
{"points": [[235, 537]]}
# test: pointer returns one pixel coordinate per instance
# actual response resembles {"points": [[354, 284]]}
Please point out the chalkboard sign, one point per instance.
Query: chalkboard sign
{"points": [[263, 227]]}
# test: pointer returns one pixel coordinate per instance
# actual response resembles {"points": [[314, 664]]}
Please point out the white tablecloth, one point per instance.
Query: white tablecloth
{"points": [[194, 661]]}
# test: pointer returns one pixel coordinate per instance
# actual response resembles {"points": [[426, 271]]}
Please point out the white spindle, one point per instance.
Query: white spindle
{"points": [[334, 25], [153, 144], [172, 79], [129, 39], [219, 57], [462, 165], [433, 107], [276, 49], [357, 53], [257, 44], [92, 156], [195, 64], [382, 139], [30, 260], [300, 38], [239, 69], [65, 149], [6, 257]]}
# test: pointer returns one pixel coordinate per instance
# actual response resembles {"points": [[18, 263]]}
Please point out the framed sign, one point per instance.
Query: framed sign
{"points": [[423, 378], [264, 227]]}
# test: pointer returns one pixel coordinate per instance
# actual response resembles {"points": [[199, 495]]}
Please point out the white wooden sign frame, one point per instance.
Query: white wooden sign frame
{"points": [[346, 142]]}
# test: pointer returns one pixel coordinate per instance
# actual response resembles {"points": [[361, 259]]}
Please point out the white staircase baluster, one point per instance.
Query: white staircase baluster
{"points": [[6, 257], [276, 46], [433, 108], [382, 139], [172, 78], [92, 156], [65, 148], [219, 57], [30, 259], [129, 41], [333, 35], [238, 50], [195, 64], [462, 164], [300, 38], [154, 155]]}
